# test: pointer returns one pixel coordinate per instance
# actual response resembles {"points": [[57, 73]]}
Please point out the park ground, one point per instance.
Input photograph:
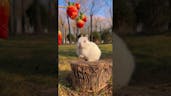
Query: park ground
{"points": [[28, 66], [152, 74]]}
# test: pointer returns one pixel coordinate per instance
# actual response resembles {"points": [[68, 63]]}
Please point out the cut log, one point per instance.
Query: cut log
{"points": [[90, 76]]}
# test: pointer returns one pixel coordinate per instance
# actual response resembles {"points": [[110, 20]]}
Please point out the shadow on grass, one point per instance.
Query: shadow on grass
{"points": [[29, 56], [27, 65], [68, 53], [11, 88]]}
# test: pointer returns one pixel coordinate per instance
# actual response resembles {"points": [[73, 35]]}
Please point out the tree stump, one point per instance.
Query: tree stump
{"points": [[90, 76]]}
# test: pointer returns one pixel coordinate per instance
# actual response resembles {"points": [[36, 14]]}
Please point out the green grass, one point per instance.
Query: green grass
{"points": [[28, 65]]}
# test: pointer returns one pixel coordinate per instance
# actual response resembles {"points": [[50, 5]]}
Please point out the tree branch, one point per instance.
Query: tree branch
{"points": [[85, 10]]}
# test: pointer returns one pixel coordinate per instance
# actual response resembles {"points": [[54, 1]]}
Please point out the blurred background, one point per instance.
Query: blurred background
{"points": [[142, 16], [28, 64], [32, 17], [145, 27]]}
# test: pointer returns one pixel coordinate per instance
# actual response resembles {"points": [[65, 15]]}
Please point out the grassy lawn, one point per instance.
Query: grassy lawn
{"points": [[28, 65], [152, 56]]}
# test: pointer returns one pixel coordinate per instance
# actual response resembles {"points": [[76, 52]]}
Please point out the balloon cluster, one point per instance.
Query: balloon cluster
{"points": [[73, 12]]}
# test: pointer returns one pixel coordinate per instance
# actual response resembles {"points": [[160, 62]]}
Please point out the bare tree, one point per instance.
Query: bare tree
{"points": [[66, 2], [95, 23], [38, 18], [74, 28], [61, 23], [13, 17], [109, 5], [23, 16], [69, 29], [94, 7], [98, 22], [65, 32], [49, 9]]}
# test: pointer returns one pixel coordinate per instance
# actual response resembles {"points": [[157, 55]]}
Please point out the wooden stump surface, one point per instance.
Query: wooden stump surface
{"points": [[90, 76]]}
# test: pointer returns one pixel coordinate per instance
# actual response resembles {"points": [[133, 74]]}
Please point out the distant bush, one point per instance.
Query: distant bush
{"points": [[106, 36], [73, 38], [96, 37]]}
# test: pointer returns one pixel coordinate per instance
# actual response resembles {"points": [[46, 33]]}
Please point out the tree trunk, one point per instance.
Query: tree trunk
{"points": [[13, 17], [90, 76], [49, 17], [65, 35], [77, 33], [23, 17], [91, 27], [69, 30], [18, 16], [38, 19]]}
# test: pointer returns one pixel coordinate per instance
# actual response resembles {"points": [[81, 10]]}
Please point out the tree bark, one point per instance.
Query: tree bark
{"points": [[13, 17], [49, 17], [69, 30], [90, 76], [77, 33], [23, 17], [65, 39], [91, 27], [38, 18]]}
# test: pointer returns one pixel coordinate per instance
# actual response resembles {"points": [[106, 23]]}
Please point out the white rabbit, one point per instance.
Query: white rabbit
{"points": [[87, 49], [123, 63]]}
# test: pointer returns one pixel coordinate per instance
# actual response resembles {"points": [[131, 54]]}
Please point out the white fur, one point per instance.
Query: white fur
{"points": [[123, 63], [88, 50]]}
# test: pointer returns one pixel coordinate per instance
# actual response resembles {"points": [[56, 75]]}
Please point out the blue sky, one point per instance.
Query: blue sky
{"points": [[100, 13]]}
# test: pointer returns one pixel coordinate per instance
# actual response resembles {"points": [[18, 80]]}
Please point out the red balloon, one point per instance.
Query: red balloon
{"points": [[4, 18]]}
